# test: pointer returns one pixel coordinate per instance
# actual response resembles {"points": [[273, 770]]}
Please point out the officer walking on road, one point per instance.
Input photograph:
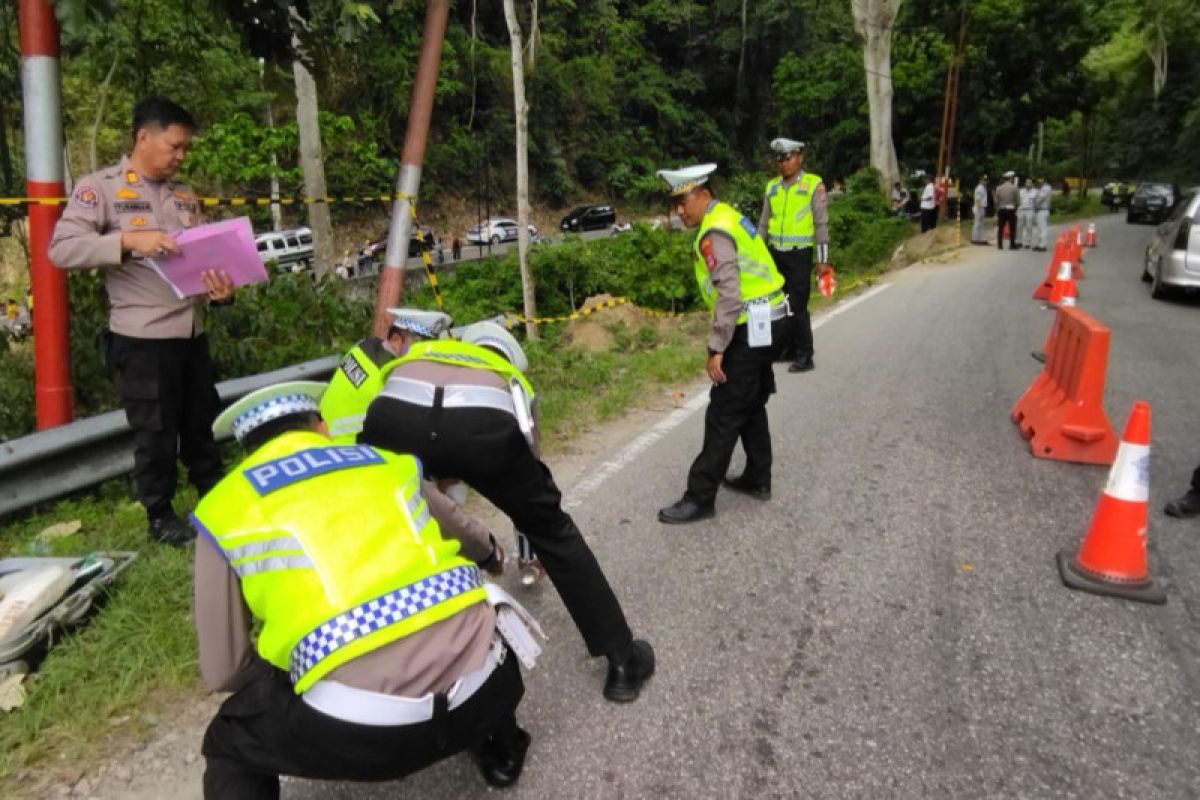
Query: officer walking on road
{"points": [[795, 223], [1025, 213], [378, 652], [979, 211], [464, 408], [1041, 212], [1006, 211], [116, 220], [744, 292]]}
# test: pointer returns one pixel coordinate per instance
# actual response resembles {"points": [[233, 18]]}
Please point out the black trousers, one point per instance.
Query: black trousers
{"points": [[737, 409], [1006, 216], [170, 400], [1196, 480], [485, 448], [265, 730], [929, 217], [796, 266]]}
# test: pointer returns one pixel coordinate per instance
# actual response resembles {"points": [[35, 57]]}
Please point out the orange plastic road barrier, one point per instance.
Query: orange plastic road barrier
{"points": [[1089, 239], [1112, 558], [1065, 291], [1042, 292], [1061, 413], [1074, 252]]}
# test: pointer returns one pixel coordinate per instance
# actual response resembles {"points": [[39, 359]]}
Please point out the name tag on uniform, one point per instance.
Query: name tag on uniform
{"points": [[758, 326]]}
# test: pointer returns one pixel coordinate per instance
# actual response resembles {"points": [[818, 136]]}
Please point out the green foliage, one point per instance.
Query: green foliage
{"points": [[16, 390], [862, 234]]}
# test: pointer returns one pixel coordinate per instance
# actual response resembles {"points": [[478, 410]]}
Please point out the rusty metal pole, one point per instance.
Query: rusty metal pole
{"points": [[408, 180], [41, 93]]}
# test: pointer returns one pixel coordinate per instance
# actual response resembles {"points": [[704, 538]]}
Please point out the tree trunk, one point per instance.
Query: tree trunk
{"points": [[93, 164], [1156, 49], [312, 163], [874, 20], [521, 107]]}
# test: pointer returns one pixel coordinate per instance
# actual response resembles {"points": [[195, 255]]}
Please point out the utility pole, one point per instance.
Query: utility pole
{"points": [[950, 104], [408, 180], [41, 92]]}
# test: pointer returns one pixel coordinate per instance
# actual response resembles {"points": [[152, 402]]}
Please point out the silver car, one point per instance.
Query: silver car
{"points": [[1173, 255]]}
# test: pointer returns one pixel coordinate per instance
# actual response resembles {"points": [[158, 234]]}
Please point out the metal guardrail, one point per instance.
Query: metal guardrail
{"points": [[58, 461]]}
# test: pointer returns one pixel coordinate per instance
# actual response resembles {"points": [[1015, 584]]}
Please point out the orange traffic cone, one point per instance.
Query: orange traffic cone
{"points": [[1112, 558], [1064, 291], [1090, 238]]}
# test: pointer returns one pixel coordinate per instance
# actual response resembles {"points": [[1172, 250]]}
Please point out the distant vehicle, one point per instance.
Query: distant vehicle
{"points": [[375, 249], [1173, 255], [588, 218], [497, 230], [1152, 202], [290, 248], [1116, 194]]}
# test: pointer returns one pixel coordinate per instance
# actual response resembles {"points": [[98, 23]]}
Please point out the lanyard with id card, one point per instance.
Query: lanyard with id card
{"points": [[758, 326]]}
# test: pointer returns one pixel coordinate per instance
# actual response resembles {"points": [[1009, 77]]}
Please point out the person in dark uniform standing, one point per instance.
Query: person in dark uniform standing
{"points": [[464, 408], [377, 654], [743, 289], [795, 223], [116, 220]]}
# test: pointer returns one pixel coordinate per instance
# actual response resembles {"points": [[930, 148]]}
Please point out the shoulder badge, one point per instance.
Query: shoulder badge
{"points": [[706, 252], [86, 196]]}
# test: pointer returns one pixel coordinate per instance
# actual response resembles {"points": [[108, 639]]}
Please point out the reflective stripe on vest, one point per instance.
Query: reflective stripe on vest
{"points": [[318, 533], [465, 354], [791, 224], [757, 274]]}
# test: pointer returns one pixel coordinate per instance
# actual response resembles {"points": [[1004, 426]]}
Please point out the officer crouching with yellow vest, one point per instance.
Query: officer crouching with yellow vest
{"points": [[794, 224], [359, 379], [378, 653], [464, 408], [744, 291]]}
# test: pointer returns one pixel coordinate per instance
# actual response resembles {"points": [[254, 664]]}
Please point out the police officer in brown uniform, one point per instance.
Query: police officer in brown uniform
{"points": [[116, 219]]}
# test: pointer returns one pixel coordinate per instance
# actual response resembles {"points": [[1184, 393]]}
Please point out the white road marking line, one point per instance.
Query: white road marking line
{"points": [[584, 488]]}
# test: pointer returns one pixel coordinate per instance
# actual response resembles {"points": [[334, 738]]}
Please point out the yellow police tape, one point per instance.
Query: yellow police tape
{"points": [[511, 318], [296, 200]]}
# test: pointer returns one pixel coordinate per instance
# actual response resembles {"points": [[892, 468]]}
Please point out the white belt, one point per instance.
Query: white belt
{"points": [[362, 707], [455, 395]]}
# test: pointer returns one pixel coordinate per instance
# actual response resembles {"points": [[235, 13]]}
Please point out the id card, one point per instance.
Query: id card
{"points": [[758, 327]]}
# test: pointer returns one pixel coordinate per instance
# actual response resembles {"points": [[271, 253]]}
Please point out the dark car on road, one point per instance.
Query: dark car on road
{"points": [[1152, 202], [372, 252], [589, 218]]}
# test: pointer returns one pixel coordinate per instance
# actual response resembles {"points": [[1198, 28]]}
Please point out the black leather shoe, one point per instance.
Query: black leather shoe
{"points": [[171, 530], [685, 511], [740, 485], [802, 365], [1185, 507], [501, 757], [627, 674]]}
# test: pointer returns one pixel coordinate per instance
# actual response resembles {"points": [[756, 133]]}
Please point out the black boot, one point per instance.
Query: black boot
{"points": [[628, 670], [501, 757], [1185, 507]]}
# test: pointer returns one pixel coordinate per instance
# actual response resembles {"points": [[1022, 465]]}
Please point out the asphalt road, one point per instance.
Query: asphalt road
{"points": [[891, 624]]}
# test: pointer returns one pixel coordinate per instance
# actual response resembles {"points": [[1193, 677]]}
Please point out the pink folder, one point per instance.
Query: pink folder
{"points": [[227, 245]]}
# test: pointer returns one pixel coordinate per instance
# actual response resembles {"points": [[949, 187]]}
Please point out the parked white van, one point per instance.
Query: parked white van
{"points": [[291, 248]]}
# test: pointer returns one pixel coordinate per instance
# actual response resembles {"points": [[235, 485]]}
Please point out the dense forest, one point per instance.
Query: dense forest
{"points": [[1102, 88]]}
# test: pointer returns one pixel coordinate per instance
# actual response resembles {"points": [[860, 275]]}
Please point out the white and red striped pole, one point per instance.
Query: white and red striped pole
{"points": [[41, 92]]}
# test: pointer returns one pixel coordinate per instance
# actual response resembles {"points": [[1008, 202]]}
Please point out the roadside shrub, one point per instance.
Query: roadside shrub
{"points": [[16, 390], [861, 232]]}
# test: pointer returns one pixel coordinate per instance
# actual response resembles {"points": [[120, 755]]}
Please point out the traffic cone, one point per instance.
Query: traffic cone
{"points": [[1064, 291], [1090, 238], [1112, 558]]}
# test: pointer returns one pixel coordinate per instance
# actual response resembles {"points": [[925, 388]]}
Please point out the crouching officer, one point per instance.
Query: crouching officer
{"points": [[361, 374], [378, 653], [744, 291], [463, 409], [360, 377], [795, 223]]}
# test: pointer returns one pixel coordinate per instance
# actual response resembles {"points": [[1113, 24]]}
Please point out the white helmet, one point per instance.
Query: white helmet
{"points": [[491, 334]]}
